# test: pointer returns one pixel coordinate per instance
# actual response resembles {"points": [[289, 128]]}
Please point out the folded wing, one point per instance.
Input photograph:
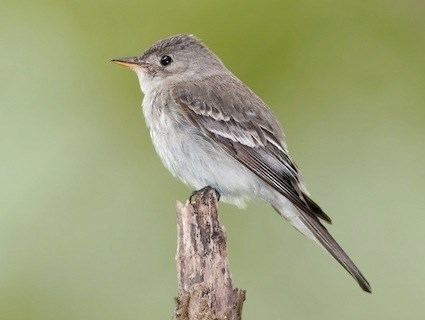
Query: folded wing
{"points": [[226, 111]]}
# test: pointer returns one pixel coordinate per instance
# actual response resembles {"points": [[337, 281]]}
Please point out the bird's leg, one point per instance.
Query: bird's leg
{"points": [[204, 189]]}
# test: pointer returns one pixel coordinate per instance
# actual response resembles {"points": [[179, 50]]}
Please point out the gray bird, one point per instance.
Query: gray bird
{"points": [[211, 130]]}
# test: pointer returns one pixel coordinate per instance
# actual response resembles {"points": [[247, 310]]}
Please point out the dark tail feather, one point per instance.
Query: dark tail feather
{"points": [[329, 243]]}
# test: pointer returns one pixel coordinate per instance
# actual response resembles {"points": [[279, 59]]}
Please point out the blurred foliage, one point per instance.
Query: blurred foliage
{"points": [[87, 225]]}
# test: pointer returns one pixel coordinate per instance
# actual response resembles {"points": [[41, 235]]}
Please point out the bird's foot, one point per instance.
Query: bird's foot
{"points": [[203, 190]]}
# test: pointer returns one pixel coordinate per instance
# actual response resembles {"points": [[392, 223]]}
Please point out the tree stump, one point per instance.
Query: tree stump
{"points": [[204, 281]]}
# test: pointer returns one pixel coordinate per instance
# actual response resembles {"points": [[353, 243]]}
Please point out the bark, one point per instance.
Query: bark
{"points": [[204, 281]]}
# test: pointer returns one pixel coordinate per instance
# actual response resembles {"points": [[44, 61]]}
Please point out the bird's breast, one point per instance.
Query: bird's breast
{"points": [[192, 157], [169, 132]]}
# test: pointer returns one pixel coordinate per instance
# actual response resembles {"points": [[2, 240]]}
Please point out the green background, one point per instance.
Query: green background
{"points": [[87, 221]]}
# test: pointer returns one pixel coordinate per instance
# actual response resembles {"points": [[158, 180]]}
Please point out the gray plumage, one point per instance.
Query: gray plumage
{"points": [[210, 129]]}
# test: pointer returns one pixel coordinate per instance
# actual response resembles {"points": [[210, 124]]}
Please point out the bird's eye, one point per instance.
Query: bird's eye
{"points": [[166, 60]]}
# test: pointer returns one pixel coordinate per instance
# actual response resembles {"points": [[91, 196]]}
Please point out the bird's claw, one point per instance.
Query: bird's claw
{"points": [[204, 189]]}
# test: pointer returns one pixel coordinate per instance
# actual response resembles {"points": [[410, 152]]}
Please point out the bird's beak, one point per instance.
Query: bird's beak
{"points": [[130, 62]]}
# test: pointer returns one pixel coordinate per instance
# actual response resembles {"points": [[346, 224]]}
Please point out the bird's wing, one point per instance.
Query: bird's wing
{"points": [[230, 114], [225, 110]]}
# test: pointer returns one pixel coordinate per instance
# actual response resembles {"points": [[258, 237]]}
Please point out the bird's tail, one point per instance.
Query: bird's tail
{"points": [[313, 228]]}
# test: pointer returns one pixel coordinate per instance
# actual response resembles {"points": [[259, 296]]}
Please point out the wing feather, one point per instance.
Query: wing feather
{"points": [[219, 109]]}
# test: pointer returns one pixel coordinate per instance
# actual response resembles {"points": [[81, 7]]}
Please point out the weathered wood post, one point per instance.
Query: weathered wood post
{"points": [[204, 281]]}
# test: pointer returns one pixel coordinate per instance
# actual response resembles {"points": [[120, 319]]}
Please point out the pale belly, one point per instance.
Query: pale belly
{"points": [[197, 161]]}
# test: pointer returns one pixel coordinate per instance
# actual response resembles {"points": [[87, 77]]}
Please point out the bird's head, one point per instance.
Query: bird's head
{"points": [[174, 59]]}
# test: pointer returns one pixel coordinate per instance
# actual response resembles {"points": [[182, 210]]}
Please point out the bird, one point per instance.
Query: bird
{"points": [[212, 131]]}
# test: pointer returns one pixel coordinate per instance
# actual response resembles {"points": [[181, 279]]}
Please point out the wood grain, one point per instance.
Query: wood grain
{"points": [[205, 285]]}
